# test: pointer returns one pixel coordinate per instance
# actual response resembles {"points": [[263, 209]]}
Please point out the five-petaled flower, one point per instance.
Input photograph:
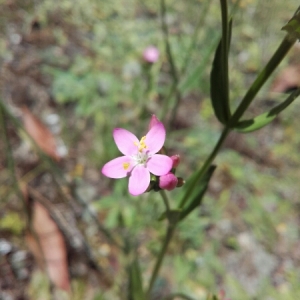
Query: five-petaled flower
{"points": [[140, 158]]}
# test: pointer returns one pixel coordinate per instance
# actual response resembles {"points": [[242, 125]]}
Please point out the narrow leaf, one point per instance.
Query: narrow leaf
{"points": [[293, 25], [219, 89], [265, 118], [255, 123], [198, 196]]}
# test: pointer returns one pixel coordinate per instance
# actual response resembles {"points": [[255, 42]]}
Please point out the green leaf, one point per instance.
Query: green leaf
{"points": [[197, 197], [219, 90], [255, 123], [135, 281], [264, 119], [172, 215], [293, 25]]}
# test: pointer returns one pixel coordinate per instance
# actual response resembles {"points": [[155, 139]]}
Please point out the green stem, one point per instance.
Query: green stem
{"points": [[169, 234], [171, 227], [166, 102], [165, 199], [275, 60], [174, 72], [194, 40], [166, 39], [205, 166], [187, 59], [167, 239], [277, 57]]}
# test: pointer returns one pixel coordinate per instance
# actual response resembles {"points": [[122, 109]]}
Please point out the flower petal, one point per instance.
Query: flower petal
{"points": [[139, 180], [118, 167], [154, 121], [159, 164], [126, 141], [155, 138]]}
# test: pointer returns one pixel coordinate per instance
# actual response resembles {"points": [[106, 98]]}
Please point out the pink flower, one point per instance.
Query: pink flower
{"points": [[151, 54], [140, 158], [168, 182]]}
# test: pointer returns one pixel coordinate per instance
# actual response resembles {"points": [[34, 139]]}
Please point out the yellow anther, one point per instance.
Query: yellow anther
{"points": [[126, 165], [142, 144]]}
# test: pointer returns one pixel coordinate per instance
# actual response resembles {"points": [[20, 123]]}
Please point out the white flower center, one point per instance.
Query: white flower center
{"points": [[141, 158]]}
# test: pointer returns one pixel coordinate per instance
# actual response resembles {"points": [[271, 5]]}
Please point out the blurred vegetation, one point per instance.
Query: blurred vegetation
{"points": [[245, 237]]}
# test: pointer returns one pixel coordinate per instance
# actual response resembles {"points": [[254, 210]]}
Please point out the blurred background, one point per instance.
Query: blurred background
{"points": [[72, 71]]}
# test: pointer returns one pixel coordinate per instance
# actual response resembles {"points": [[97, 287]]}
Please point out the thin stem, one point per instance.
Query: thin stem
{"points": [[174, 72], [166, 39], [205, 166], [194, 37], [165, 199], [277, 57], [165, 107], [275, 60], [169, 234], [167, 239]]}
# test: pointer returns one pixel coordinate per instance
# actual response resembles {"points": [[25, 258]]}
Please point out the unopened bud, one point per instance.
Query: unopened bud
{"points": [[151, 54], [168, 182], [175, 160]]}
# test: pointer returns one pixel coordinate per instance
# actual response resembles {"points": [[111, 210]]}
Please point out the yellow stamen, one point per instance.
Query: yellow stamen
{"points": [[126, 165], [142, 144]]}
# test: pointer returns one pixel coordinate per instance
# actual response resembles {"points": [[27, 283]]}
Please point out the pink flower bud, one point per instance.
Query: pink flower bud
{"points": [[168, 182], [154, 121], [175, 160], [151, 54]]}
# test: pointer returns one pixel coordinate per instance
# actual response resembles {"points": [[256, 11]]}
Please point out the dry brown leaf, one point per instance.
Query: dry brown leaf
{"points": [[40, 133], [48, 247], [287, 79]]}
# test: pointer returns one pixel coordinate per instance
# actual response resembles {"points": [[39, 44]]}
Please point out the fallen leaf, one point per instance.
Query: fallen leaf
{"points": [[40, 133], [47, 244]]}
